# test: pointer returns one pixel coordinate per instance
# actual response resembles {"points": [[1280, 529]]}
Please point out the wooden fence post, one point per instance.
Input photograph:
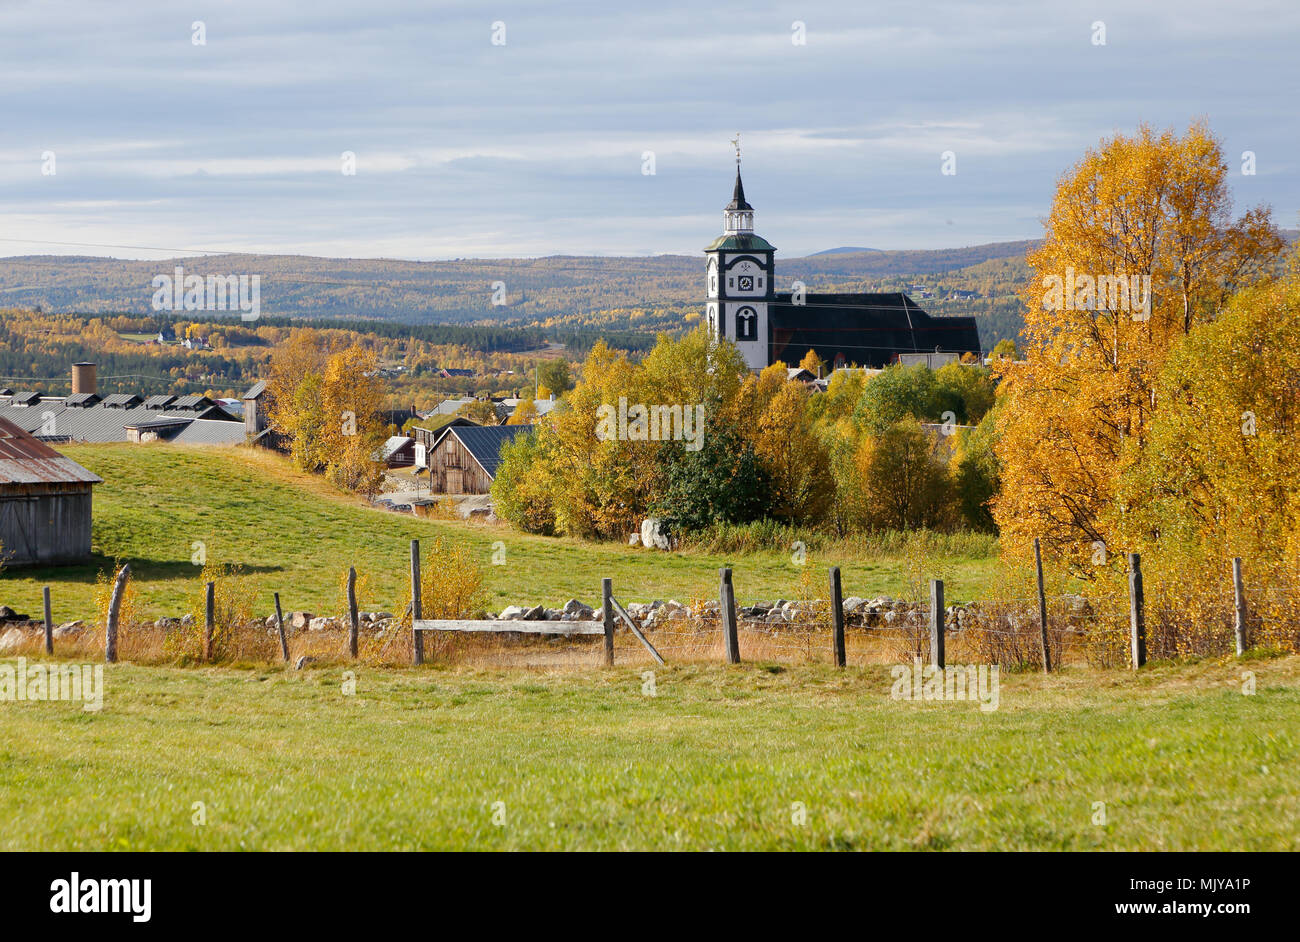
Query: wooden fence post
{"points": [[209, 620], [837, 616], [49, 622], [114, 609], [607, 603], [936, 623], [354, 623], [1042, 607], [1239, 595], [417, 604], [279, 621], [1137, 611], [727, 609]]}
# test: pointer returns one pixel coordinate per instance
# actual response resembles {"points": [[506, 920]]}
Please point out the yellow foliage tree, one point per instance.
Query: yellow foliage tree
{"points": [[1140, 247]]}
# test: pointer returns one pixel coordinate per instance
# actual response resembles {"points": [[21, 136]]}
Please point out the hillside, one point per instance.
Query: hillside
{"points": [[537, 291], [293, 534]]}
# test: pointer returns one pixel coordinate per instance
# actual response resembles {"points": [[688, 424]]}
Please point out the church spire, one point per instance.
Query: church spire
{"points": [[738, 215]]}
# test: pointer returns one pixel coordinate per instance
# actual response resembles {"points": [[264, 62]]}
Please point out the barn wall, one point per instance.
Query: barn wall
{"points": [[44, 526], [449, 461]]}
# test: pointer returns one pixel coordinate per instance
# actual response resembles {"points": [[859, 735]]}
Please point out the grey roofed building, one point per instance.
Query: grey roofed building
{"points": [[81, 400], [158, 402], [192, 402], [452, 406], [24, 398], [55, 421], [255, 390], [211, 432], [484, 442], [121, 401]]}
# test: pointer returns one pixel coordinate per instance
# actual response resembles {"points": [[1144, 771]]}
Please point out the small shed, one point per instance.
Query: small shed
{"points": [[465, 458], [45, 501]]}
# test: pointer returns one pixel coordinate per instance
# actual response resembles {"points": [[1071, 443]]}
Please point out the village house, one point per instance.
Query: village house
{"points": [[464, 458]]}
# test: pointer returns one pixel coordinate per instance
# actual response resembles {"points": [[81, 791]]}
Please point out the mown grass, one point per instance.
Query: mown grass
{"points": [[294, 534], [717, 758]]}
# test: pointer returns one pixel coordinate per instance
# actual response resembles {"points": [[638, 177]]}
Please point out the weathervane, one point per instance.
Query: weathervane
{"points": [[735, 142]]}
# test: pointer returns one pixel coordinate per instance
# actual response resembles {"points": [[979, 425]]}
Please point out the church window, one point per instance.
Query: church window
{"points": [[746, 324]]}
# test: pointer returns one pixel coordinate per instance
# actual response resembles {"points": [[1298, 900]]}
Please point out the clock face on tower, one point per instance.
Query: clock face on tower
{"points": [[746, 282]]}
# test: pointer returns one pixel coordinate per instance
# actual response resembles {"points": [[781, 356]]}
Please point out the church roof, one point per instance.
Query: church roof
{"points": [[738, 195], [870, 329], [740, 241]]}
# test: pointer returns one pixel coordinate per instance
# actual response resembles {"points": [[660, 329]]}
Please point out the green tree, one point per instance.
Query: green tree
{"points": [[723, 482]]}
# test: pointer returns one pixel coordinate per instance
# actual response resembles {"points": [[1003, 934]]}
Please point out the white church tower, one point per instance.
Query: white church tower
{"points": [[740, 280]]}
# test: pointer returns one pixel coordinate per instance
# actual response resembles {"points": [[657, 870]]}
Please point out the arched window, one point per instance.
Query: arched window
{"points": [[746, 324]]}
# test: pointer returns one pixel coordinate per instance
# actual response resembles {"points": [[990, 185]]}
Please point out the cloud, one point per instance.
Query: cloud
{"points": [[466, 148]]}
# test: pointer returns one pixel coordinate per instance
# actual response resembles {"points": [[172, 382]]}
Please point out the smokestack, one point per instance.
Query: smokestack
{"points": [[83, 378]]}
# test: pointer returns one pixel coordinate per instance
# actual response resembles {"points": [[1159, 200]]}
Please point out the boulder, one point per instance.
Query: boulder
{"points": [[299, 620], [576, 607], [654, 534], [11, 640], [70, 629], [634, 539], [187, 621], [552, 614], [775, 617], [512, 613], [320, 624], [536, 613], [304, 661], [8, 614], [852, 604]]}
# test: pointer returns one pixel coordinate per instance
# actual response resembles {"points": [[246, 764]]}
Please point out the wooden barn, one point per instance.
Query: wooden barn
{"points": [[45, 501], [464, 459]]}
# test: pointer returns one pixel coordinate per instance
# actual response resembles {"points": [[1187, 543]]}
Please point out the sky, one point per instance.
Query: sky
{"points": [[522, 129]]}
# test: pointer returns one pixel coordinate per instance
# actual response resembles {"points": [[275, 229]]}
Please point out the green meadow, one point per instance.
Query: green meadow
{"points": [[751, 757], [292, 533]]}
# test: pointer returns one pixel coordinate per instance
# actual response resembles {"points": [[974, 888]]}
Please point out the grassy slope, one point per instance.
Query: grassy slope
{"points": [[297, 536], [583, 760]]}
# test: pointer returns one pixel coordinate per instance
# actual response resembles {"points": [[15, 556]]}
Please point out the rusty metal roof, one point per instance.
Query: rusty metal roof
{"points": [[26, 460]]}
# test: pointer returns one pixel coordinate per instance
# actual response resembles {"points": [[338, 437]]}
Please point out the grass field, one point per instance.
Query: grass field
{"points": [[294, 534], [717, 758]]}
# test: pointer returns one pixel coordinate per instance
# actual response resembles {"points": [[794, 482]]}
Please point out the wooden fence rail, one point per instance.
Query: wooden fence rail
{"points": [[613, 612]]}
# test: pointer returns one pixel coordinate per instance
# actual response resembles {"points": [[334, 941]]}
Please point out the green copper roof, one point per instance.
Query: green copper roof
{"points": [[741, 243]]}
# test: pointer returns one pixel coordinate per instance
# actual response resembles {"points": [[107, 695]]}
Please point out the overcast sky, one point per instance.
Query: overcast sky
{"points": [[535, 147]]}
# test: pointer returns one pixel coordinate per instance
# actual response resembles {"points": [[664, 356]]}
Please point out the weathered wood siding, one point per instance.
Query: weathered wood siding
{"points": [[452, 470], [45, 523]]}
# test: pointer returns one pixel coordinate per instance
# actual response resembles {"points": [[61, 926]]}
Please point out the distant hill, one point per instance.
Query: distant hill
{"points": [[843, 250], [459, 291]]}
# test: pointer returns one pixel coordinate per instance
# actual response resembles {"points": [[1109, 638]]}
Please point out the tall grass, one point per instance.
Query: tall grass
{"points": [[774, 536]]}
